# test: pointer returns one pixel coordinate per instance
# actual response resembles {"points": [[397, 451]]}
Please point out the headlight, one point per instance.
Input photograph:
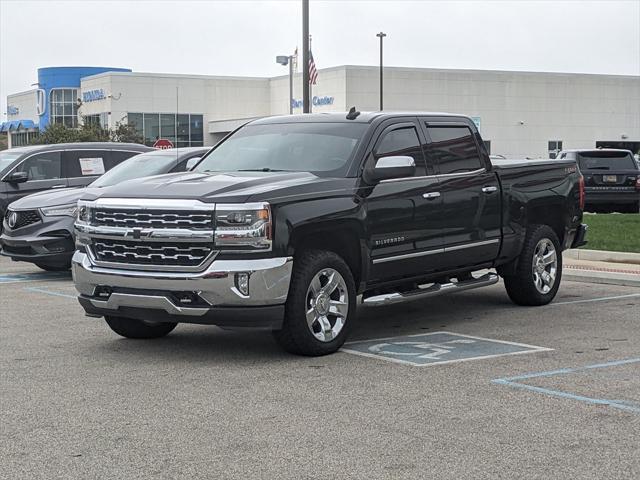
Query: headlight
{"points": [[243, 226], [60, 210], [83, 213]]}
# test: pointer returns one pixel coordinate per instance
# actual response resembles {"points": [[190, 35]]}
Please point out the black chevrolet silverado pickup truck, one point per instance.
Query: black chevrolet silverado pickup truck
{"points": [[284, 223]]}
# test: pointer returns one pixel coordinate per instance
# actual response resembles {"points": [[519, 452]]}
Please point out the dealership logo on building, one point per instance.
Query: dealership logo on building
{"points": [[11, 110], [93, 95]]}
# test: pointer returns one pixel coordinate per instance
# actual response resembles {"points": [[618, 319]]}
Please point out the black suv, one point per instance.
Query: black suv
{"points": [[28, 170], [611, 178]]}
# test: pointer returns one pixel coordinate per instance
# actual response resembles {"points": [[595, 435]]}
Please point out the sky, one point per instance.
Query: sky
{"points": [[243, 37]]}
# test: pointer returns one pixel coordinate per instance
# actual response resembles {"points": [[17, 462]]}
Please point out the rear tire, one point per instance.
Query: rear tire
{"points": [[320, 307], [131, 328], [539, 268], [53, 268]]}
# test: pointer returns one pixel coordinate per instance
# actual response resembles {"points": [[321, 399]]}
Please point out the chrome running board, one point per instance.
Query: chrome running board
{"points": [[432, 290]]}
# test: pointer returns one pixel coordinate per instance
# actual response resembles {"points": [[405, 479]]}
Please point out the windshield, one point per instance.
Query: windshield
{"points": [[322, 148], [606, 161], [139, 166], [7, 158]]}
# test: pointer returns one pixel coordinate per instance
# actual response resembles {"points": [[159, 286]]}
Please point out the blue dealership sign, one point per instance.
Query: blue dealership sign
{"points": [[93, 95], [316, 101]]}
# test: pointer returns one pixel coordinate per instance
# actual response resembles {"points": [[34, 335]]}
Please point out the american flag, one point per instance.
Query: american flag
{"points": [[313, 73]]}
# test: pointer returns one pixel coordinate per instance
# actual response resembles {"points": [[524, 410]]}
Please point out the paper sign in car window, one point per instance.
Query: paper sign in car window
{"points": [[92, 166]]}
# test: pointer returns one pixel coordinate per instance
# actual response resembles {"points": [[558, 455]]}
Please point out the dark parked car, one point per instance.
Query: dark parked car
{"points": [[27, 170], [288, 219], [39, 228], [611, 178]]}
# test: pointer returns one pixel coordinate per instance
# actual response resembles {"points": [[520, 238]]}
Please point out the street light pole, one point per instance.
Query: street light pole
{"points": [[290, 84], [305, 56], [284, 60], [381, 35]]}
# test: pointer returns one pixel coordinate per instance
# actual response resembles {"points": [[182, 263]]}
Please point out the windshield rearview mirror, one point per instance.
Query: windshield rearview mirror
{"points": [[388, 168], [17, 177], [192, 162]]}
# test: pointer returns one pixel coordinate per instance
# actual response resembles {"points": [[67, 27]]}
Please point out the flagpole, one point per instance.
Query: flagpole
{"points": [[310, 85], [305, 56]]}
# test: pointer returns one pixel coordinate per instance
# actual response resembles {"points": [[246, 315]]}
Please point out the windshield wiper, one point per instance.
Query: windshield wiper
{"points": [[263, 169]]}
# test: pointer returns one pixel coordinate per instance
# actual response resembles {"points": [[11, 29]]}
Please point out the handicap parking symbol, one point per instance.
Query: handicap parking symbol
{"points": [[437, 348]]}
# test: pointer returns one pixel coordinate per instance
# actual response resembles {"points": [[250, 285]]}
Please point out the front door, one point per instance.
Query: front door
{"points": [[399, 230], [471, 197], [44, 171]]}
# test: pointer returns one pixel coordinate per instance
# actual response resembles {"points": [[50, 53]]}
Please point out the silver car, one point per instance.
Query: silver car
{"points": [[39, 228]]}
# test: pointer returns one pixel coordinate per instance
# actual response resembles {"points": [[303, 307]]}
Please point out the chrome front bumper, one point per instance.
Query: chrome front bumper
{"points": [[136, 291]]}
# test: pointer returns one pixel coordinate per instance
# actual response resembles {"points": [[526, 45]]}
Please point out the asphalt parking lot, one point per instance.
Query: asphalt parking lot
{"points": [[557, 396]]}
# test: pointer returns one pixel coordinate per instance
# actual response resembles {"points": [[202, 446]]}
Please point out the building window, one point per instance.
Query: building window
{"points": [[183, 130], [100, 119], [64, 106], [555, 146]]}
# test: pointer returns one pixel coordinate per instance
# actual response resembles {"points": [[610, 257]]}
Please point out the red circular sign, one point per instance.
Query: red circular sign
{"points": [[163, 144]]}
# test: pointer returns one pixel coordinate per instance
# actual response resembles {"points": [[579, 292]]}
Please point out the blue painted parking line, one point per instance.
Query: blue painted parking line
{"points": [[437, 348], [50, 292], [626, 405], [32, 277]]}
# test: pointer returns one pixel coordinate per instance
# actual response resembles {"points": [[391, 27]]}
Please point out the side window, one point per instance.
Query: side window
{"points": [[119, 156], [42, 166], [401, 141], [188, 162], [453, 149], [84, 163]]}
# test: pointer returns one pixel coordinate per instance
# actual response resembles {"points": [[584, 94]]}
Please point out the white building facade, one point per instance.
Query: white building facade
{"points": [[518, 113]]}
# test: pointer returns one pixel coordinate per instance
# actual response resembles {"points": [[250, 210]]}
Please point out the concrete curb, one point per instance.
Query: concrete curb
{"points": [[589, 276], [603, 256]]}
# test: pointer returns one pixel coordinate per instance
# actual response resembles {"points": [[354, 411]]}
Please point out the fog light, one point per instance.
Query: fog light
{"points": [[102, 291], [242, 283]]}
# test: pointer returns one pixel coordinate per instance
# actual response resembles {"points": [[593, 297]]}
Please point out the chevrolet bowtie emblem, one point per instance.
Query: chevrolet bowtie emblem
{"points": [[137, 233]]}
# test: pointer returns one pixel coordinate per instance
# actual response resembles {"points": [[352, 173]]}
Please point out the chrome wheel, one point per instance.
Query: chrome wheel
{"points": [[545, 266], [327, 304]]}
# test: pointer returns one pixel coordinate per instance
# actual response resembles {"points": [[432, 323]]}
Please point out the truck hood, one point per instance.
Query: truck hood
{"points": [[49, 198], [233, 187]]}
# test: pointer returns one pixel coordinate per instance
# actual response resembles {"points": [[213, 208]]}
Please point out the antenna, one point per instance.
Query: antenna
{"points": [[353, 114]]}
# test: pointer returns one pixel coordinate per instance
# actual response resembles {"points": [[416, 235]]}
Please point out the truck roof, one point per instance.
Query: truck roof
{"points": [[363, 117]]}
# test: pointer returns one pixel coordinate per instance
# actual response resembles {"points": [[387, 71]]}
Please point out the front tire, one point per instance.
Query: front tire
{"points": [[320, 307], [539, 269], [139, 329]]}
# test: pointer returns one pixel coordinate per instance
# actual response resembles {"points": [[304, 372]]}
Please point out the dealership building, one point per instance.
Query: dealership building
{"points": [[518, 113]]}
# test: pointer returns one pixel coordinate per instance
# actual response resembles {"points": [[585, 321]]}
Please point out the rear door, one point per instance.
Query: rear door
{"points": [[44, 171], [471, 197], [399, 235], [83, 166]]}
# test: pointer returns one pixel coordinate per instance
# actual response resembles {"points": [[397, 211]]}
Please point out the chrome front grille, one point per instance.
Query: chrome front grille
{"points": [[185, 219], [158, 254]]}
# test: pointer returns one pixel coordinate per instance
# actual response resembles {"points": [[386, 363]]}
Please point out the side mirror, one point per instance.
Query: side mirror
{"points": [[17, 177], [192, 163], [388, 168]]}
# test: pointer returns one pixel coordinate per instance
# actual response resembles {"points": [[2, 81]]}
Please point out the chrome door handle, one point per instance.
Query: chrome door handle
{"points": [[489, 189], [431, 195], [59, 186]]}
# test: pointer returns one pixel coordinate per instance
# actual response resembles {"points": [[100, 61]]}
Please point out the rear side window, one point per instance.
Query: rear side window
{"points": [[42, 166], [85, 163], [453, 149], [401, 141]]}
